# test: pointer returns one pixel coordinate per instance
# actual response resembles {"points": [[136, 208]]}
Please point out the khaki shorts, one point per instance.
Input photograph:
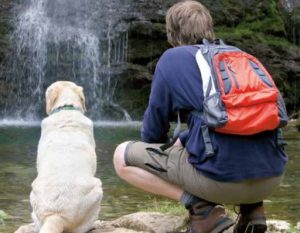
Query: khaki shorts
{"points": [[172, 166]]}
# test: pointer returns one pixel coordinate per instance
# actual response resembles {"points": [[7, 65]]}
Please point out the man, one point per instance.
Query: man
{"points": [[244, 169]]}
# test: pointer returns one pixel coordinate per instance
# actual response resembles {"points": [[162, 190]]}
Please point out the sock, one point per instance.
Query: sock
{"points": [[188, 200]]}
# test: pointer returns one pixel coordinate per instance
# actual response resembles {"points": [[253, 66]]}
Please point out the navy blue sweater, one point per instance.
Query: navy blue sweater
{"points": [[177, 85]]}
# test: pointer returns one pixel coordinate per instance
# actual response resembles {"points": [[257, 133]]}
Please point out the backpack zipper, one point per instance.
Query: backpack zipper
{"points": [[233, 75]]}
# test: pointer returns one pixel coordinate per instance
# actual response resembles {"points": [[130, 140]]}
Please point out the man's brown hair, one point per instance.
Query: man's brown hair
{"points": [[188, 22]]}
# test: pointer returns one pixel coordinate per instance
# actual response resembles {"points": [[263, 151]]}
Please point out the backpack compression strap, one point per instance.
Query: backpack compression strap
{"points": [[208, 87]]}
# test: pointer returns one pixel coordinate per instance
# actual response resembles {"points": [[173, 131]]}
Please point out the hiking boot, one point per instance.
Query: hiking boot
{"points": [[251, 219], [208, 218]]}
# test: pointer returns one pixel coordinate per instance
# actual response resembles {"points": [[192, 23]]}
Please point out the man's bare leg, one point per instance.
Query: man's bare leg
{"points": [[143, 179]]}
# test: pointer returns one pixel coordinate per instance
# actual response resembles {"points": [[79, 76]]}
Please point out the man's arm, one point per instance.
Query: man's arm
{"points": [[156, 118]]}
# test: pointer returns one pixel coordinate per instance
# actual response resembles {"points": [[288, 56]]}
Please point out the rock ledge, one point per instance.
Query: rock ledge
{"points": [[153, 222]]}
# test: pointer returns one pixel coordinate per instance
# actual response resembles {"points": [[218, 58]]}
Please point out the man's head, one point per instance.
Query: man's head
{"points": [[188, 22]]}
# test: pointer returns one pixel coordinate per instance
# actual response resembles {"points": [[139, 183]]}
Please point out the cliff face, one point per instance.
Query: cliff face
{"points": [[268, 29]]}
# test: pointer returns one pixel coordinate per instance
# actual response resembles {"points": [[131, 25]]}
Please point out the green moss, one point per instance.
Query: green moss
{"points": [[134, 100], [264, 18], [273, 26], [245, 33], [237, 34], [166, 206]]}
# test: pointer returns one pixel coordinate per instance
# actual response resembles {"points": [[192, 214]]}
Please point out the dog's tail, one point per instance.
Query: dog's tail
{"points": [[52, 224]]}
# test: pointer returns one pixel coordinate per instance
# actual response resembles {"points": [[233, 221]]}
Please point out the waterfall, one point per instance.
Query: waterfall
{"points": [[288, 4], [76, 40]]}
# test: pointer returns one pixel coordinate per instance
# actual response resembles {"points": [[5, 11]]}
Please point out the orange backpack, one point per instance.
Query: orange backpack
{"points": [[240, 96]]}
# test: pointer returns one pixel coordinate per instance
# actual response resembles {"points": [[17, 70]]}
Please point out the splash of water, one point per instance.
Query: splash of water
{"points": [[76, 40]]}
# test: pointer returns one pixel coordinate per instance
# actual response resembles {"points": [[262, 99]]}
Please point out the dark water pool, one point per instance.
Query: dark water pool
{"points": [[18, 147]]}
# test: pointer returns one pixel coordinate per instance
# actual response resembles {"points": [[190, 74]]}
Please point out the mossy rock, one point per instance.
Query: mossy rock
{"points": [[134, 100], [134, 89], [146, 29], [143, 51]]}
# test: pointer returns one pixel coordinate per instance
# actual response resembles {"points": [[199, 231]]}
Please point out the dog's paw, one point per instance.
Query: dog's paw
{"points": [[26, 229]]}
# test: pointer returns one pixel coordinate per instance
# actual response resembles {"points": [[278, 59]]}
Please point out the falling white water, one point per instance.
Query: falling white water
{"points": [[288, 5], [76, 40]]}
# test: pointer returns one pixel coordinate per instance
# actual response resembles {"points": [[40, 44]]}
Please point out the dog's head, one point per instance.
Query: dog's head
{"points": [[63, 93]]}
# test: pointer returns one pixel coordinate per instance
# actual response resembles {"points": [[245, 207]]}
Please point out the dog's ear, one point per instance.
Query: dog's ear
{"points": [[51, 96], [79, 91]]}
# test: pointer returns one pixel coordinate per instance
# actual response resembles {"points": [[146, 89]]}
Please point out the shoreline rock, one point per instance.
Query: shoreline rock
{"points": [[154, 222]]}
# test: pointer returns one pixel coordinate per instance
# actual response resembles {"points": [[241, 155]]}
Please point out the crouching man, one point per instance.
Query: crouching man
{"points": [[244, 170]]}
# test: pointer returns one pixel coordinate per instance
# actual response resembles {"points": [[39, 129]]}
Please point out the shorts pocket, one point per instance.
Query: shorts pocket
{"points": [[156, 159]]}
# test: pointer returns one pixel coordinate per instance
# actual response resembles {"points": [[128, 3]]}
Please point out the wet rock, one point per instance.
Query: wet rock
{"points": [[140, 222], [298, 226], [143, 222], [146, 29], [153, 222], [133, 89], [277, 226]]}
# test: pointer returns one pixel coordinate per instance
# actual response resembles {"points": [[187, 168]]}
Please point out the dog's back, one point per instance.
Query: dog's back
{"points": [[66, 195]]}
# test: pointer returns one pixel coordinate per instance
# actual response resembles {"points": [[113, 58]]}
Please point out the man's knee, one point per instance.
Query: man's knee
{"points": [[119, 157]]}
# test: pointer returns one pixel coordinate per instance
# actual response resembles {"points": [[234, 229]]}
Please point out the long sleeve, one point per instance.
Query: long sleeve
{"points": [[156, 118], [183, 136]]}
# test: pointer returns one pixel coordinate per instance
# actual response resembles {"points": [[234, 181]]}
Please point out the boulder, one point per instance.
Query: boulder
{"points": [[141, 222], [278, 226], [298, 226], [154, 222]]}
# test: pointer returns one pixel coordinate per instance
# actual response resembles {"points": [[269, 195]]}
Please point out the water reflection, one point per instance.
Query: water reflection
{"points": [[17, 170]]}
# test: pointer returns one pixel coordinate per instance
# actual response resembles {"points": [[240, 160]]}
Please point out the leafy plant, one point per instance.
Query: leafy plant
{"points": [[3, 216]]}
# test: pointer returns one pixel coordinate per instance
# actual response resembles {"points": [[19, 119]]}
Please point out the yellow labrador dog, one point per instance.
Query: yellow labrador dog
{"points": [[65, 195]]}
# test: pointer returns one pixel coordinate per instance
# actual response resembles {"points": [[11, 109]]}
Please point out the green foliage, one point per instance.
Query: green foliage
{"points": [[246, 35], [238, 34], [272, 26], [263, 18], [270, 23], [3, 216]]}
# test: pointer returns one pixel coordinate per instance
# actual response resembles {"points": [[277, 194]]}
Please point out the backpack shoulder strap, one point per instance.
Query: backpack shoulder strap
{"points": [[217, 41], [208, 85], [208, 88]]}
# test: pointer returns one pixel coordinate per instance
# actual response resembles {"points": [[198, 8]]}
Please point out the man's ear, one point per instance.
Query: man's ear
{"points": [[79, 91], [51, 97]]}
